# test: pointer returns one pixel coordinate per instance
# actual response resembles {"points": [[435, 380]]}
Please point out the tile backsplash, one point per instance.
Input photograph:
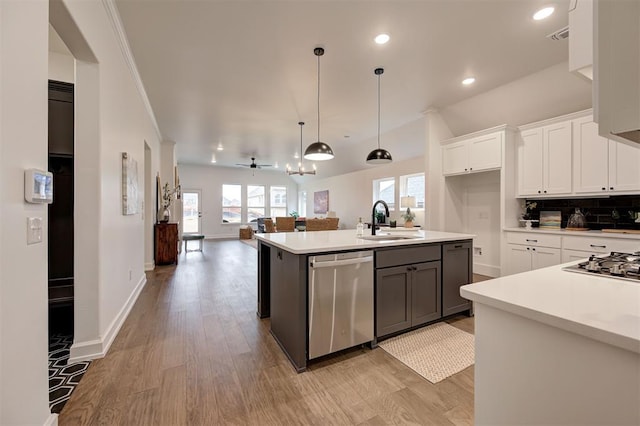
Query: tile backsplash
{"points": [[613, 212]]}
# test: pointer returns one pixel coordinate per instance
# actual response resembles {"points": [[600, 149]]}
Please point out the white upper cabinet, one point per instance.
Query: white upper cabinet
{"points": [[455, 158], [624, 166], [602, 165], [544, 160], [485, 152], [590, 158], [472, 154]]}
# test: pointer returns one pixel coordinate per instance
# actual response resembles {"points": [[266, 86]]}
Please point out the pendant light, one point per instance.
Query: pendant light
{"points": [[318, 151], [379, 156], [300, 170]]}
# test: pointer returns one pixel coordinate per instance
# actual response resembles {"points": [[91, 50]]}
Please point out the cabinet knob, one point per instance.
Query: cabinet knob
{"points": [[539, 192], [604, 189], [528, 248], [611, 188], [465, 170], [408, 268], [533, 249], [470, 168], [545, 192]]}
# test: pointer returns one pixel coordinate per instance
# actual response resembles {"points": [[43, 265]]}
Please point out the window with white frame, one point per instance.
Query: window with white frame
{"points": [[255, 202], [278, 201], [302, 203], [231, 203], [385, 189], [413, 186]]}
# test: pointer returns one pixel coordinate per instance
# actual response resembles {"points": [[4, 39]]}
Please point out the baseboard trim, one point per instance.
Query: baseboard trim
{"points": [[52, 420], [221, 237], [149, 266], [488, 270], [94, 349]]}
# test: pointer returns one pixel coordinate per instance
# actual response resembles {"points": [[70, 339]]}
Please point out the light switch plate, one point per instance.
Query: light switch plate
{"points": [[34, 230]]}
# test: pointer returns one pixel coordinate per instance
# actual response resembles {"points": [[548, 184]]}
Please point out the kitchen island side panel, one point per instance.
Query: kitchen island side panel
{"points": [[289, 305], [264, 280]]}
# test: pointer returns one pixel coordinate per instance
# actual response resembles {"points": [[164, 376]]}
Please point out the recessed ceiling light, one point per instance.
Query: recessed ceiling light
{"points": [[543, 13], [469, 80], [381, 38]]}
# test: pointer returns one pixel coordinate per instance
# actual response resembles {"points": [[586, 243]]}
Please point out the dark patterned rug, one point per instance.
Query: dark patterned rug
{"points": [[63, 377]]}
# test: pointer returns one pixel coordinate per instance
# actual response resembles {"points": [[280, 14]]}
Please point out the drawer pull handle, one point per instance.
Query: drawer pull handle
{"points": [[458, 246], [532, 241], [596, 246]]}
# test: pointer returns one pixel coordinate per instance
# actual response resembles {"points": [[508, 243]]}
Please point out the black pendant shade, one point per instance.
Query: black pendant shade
{"points": [[318, 151], [379, 155]]}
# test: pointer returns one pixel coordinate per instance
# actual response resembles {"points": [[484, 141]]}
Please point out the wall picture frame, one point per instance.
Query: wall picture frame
{"points": [[130, 194], [321, 202], [550, 219]]}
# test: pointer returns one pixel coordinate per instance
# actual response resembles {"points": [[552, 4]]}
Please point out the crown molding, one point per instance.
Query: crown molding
{"points": [[121, 36]]}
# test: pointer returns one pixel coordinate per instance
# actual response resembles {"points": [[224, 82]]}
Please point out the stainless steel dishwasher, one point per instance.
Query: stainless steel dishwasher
{"points": [[340, 301]]}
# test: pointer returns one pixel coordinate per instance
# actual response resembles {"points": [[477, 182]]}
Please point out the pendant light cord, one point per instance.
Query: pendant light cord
{"points": [[318, 98], [378, 111]]}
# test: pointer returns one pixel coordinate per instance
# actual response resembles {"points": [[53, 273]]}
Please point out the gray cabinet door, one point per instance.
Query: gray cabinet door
{"points": [[457, 270], [425, 293], [393, 300]]}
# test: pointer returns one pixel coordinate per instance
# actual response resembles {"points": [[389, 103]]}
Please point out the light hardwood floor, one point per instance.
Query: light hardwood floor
{"points": [[192, 351]]}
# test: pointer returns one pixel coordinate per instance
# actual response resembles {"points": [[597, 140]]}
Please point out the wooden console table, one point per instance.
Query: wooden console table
{"points": [[166, 243]]}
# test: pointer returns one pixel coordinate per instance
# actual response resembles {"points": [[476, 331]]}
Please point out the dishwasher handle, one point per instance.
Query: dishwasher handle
{"points": [[332, 263]]}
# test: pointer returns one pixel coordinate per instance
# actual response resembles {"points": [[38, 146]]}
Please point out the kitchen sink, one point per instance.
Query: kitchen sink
{"points": [[388, 237]]}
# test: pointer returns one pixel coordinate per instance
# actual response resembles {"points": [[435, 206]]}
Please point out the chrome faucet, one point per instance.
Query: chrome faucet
{"points": [[373, 214]]}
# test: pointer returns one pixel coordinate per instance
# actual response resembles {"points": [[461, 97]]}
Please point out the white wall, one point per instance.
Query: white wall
{"points": [[351, 194], [209, 180], [111, 118], [548, 93], [23, 268]]}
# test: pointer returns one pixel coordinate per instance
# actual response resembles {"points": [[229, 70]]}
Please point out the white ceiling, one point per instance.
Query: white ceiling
{"points": [[243, 73]]}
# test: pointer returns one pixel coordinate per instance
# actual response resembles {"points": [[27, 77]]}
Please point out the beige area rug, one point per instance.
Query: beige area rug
{"points": [[435, 352], [252, 242]]}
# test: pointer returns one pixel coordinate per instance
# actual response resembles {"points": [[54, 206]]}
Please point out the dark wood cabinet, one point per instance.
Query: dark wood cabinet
{"points": [[457, 270], [166, 243], [425, 293], [407, 294]]}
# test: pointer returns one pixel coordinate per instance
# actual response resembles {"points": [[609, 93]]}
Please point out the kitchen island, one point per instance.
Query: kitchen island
{"points": [[556, 347], [415, 278]]}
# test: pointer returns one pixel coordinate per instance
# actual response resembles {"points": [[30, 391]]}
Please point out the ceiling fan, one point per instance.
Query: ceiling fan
{"points": [[253, 164]]}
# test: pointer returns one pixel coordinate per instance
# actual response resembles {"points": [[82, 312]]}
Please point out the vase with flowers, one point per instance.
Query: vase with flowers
{"points": [[164, 214]]}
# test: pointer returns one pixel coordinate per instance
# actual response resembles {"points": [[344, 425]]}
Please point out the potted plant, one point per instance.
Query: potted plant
{"points": [[294, 214], [408, 217], [380, 217], [527, 216]]}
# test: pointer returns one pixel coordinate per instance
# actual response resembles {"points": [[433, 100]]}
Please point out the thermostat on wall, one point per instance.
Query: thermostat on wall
{"points": [[38, 186]]}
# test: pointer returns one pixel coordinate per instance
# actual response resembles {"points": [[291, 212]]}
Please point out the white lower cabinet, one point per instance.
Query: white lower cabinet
{"points": [[577, 248], [529, 251], [527, 258]]}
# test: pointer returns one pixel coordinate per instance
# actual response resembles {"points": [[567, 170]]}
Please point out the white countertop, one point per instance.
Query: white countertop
{"points": [[345, 239], [604, 309], [592, 233]]}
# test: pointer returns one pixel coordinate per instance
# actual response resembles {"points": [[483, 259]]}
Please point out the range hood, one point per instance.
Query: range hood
{"points": [[616, 84]]}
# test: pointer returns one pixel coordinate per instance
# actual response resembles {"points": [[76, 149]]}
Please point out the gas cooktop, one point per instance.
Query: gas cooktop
{"points": [[625, 266]]}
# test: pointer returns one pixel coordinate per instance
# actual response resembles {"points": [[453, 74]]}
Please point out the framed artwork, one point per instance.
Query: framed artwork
{"points": [[130, 199], [321, 201], [550, 220]]}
